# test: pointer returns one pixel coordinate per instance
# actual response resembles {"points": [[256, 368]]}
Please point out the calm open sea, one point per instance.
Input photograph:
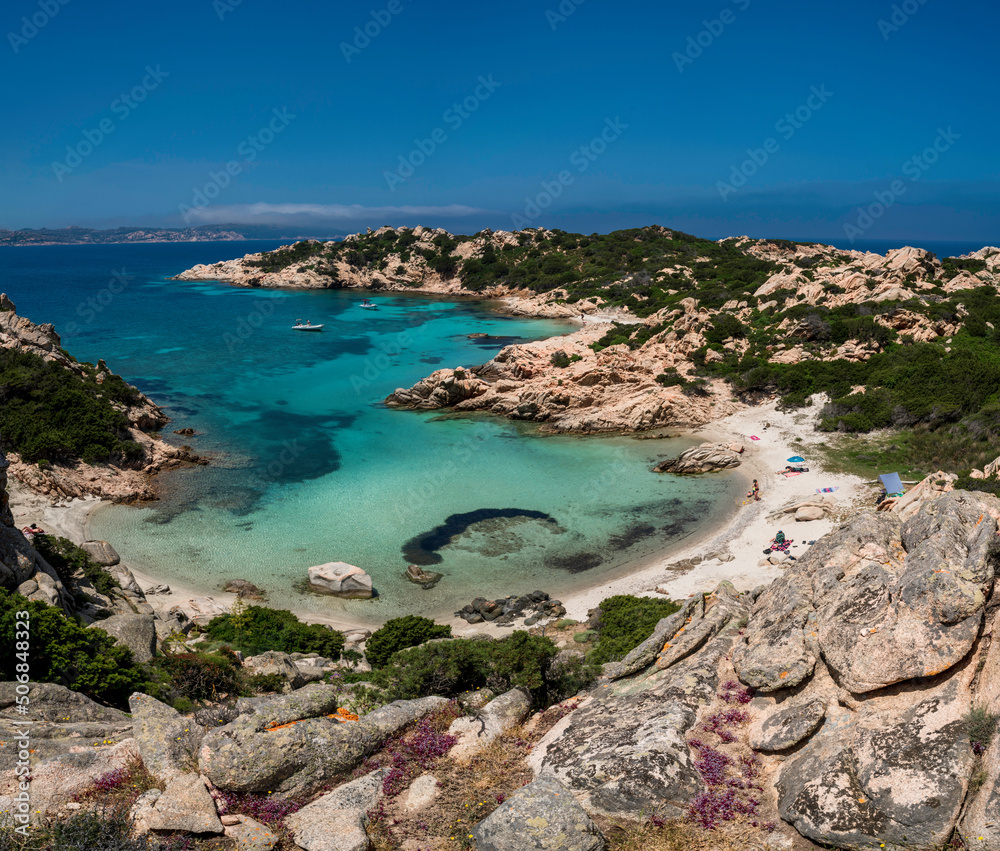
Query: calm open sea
{"points": [[309, 466]]}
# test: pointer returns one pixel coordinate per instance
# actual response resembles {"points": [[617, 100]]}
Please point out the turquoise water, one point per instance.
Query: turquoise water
{"points": [[308, 466]]}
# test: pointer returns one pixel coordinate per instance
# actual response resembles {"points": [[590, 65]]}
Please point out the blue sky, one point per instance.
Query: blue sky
{"points": [[201, 112]]}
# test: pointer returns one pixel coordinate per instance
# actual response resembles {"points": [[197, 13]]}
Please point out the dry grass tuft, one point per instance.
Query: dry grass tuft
{"points": [[680, 835]]}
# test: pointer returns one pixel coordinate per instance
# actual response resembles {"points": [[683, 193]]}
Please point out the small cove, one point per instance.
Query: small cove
{"points": [[308, 466]]}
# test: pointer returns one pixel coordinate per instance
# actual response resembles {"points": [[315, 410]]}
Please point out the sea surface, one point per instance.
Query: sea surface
{"points": [[308, 466]]}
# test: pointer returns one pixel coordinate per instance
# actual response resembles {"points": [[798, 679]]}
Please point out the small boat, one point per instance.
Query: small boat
{"points": [[368, 305], [305, 326]]}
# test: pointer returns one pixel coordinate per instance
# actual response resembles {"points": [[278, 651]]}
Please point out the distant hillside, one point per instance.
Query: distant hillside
{"points": [[91, 236]]}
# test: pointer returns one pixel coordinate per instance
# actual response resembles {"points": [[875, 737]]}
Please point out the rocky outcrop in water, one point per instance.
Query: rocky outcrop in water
{"points": [[707, 458]]}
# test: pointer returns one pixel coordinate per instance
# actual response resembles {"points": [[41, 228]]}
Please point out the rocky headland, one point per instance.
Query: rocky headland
{"points": [[61, 479], [657, 331]]}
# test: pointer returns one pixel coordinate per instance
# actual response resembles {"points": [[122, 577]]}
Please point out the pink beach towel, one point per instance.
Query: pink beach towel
{"points": [[789, 475], [754, 437]]}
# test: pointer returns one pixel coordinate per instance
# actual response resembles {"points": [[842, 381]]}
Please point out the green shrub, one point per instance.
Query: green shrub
{"points": [[560, 360], [200, 676], [258, 628], [52, 414], [981, 725], [625, 623], [448, 668], [266, 683], [61, 651], [670, 377], [400, 633], [67, 558]]}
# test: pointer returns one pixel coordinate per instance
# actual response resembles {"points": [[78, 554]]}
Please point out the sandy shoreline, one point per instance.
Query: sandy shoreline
{"points": [[744, 533]]}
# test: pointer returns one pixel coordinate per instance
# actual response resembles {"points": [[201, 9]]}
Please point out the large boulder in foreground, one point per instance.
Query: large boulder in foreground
{"points": [[895, 772], [167, 741], [336, 822], [541, 816], [882, 600], [340, 579], [297, 743], [623, 750]]}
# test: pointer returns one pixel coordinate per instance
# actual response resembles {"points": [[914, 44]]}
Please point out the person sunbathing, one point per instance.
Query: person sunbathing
{"points": [[780, 544]]}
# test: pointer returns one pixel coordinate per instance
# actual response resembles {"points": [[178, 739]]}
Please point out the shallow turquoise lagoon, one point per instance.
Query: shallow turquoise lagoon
{"points": [[308, 466]]}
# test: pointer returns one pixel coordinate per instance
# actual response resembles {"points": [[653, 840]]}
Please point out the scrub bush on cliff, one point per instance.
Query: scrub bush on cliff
{"points": [[256, 629], [61, 651], [448, 668], [400, 633], [626, 622], [50, 413]]}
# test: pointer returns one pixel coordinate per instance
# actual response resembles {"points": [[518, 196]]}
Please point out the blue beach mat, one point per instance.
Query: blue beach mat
{"points": [[892, 483]]}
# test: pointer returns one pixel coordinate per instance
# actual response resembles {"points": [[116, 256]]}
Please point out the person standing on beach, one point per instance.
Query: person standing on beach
{"points": [[755, 491]]}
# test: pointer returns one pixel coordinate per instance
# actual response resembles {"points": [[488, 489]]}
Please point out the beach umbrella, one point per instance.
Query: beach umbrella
{"points": [[796, 459]]}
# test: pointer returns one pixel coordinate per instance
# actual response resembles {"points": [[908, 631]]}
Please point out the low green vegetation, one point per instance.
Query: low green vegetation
{"points": [[199, 676], [449, 668], [625, 623], [51, 414], [62, 651], [67, 558], [255, 629], [400, 633]]}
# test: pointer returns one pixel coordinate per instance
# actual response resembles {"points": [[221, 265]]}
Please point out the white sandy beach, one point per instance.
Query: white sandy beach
{"points": [[744, 535], [747, 533]]}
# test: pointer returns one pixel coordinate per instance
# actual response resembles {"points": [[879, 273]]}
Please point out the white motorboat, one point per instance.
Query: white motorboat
{"points": [[368, 305], [306, 326]]}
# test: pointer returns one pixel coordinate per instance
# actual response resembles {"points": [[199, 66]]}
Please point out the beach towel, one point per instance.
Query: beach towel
{"points": [[796, 459], [789, 475], [827, 490], [754, 437]]}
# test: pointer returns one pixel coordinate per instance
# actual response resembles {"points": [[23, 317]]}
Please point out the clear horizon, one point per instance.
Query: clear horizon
{"points": [[860, 121]]}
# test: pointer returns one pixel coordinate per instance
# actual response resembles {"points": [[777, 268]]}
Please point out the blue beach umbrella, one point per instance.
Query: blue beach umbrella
{"points": [[796, 459]]}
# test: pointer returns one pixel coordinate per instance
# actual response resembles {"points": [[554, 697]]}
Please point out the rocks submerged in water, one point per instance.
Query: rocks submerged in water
{"points": [[341, 580], [534, 607], [244, 588], [425, 578]]}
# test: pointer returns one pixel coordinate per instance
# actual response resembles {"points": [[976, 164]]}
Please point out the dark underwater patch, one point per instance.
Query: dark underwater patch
{"points": [[631, 536], [423, 548], [574, 562]]}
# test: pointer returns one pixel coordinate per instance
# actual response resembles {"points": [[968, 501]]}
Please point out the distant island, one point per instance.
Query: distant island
{"points": [[92, 236]]}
